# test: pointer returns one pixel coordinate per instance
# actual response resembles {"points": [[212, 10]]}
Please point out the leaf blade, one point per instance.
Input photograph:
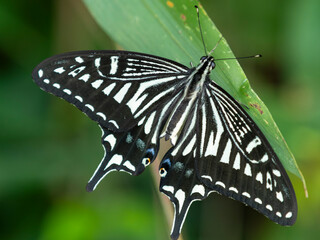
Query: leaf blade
{"points": [[169, 29]]}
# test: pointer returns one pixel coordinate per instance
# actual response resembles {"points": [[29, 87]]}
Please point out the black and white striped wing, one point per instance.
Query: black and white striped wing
{"points": [[236, 159], [114, 88], [129, 95], [133, 150], [179, 180], [222, 150]]}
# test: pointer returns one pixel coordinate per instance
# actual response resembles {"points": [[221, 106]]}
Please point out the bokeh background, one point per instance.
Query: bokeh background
{"points": [[48, 149]]}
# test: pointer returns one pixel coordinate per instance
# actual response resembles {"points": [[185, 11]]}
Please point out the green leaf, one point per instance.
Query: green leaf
{"points": [[169, 29]]}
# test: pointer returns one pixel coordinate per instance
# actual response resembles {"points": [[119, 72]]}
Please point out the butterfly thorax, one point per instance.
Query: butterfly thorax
{"points": [[194, 87]]}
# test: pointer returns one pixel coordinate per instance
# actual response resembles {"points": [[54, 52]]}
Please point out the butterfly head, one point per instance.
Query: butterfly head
{"points": [[208, 62]]}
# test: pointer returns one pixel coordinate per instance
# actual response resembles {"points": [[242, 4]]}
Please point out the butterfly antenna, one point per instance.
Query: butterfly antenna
{"points": [[254, 56], [204, 45], [215, 45]]}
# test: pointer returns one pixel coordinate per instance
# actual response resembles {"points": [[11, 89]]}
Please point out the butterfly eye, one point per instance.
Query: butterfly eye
{"points": [[203, 58], [146, 161], [162, 172], [212, 65]]}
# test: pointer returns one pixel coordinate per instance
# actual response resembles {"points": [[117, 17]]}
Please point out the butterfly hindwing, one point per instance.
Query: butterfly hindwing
{"points": [[132, 151], [179, 180], [114, 88]]}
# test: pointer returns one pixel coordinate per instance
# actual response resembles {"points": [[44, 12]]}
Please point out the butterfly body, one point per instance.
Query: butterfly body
{"points": [[138, 98]]}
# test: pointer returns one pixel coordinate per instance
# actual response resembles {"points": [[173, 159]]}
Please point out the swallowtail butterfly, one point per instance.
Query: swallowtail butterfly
{"points": [[138, 98]]}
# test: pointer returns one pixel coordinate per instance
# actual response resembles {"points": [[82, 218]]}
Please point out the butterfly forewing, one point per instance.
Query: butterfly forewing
{"points": [[237, 161], [115, 88]]}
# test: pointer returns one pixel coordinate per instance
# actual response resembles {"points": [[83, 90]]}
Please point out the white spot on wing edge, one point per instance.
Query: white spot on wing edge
{"points": [[279, 214], [220, 184], [47, 81], [56, 85], [246, 194], [79, 98], [114, 123], [129, 166], [207, 177], [40, 73], [276, 172], [233, 189], [102, 115], [67, 91], [90, 107], [269, 207], [198, 189], [258, 200], [288, 215], [79, 59]]}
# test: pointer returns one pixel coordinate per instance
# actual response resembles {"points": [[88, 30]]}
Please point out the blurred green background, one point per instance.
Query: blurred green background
{"points": [[49, 149]]}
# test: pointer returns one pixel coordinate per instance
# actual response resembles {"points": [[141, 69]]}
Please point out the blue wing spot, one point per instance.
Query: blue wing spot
{"points": [[178, 166], [140, 144], [188, 173], [129, 138], [166, 164]]}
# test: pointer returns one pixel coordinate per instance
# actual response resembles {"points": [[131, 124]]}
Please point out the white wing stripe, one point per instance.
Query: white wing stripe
{"points": [[203, 127], [123, 91], [225, 158], [220, 129], [155, 99], [173, 66]]}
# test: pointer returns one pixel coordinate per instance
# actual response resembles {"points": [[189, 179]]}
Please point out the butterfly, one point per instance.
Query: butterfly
{"points": [[137, 98]]}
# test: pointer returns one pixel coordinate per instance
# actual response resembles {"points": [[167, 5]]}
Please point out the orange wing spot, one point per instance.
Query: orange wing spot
{"points": [[170, 4]]}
